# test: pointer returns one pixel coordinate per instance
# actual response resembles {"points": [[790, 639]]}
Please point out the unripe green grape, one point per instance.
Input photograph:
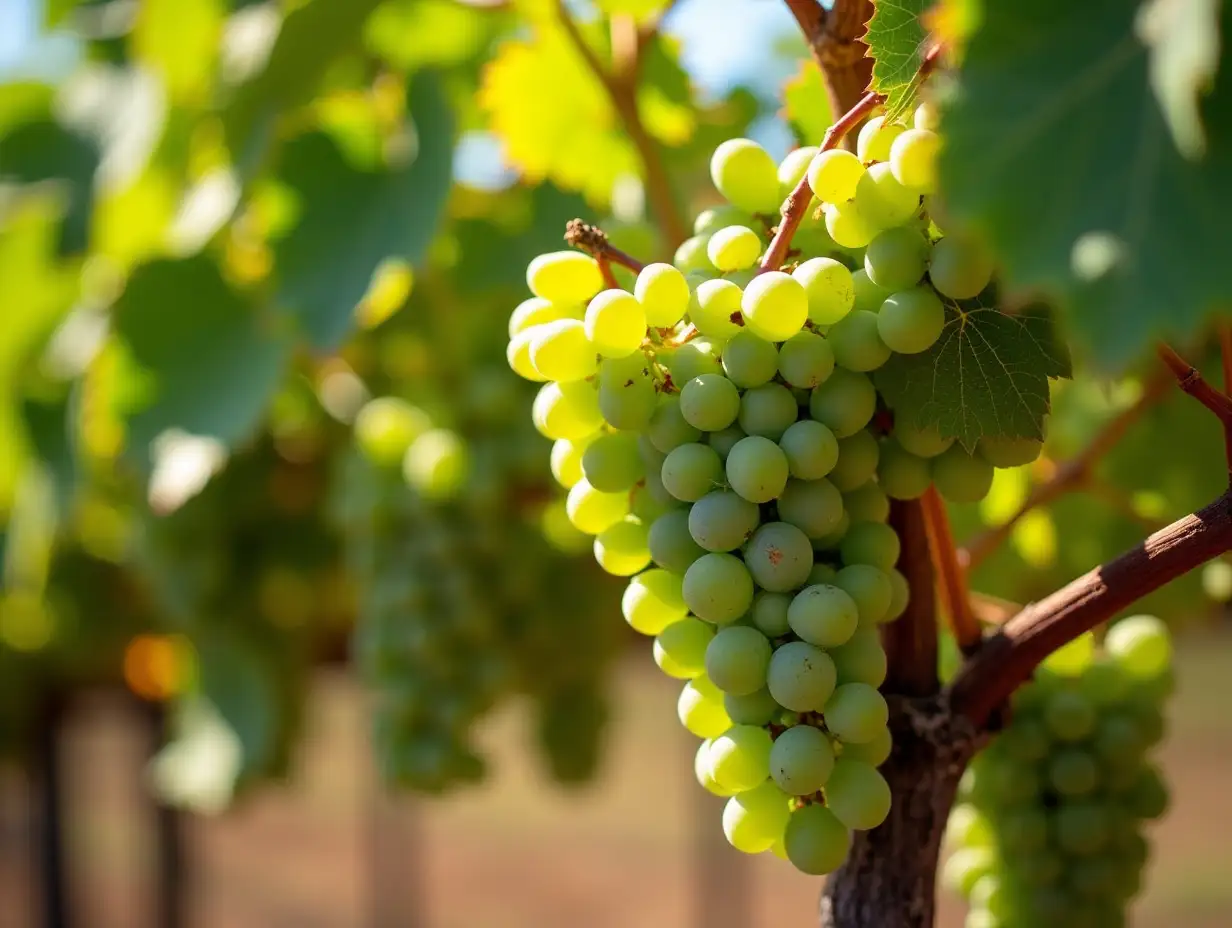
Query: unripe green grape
{"points": [[775, 306], [912, 320], [709, 221], [700, 708], [961, 477], [811, 449], [866, 294], [704, 773], [876, 138], [870, 588], [1069, 715], [769, 613], [740, 757], [710, 402], [680, 649], [746, 176], [755, 820], [536, 310], [874, 752], [1148, 797], [714, 304], [671, 545], [691, 257], [805, 360], [749, 360], [722, 521], [902, 475], [831, 540], [1009, 452], [612, 463], [857, 343], [591, 511], [816, 842], [561, 351], [897, 258], [690, 471], [386, 426], [663, 293], [692, 359], [849, 225], [867, 502], [834, 174], [564, 277], [779, 557], [767, 410], [627, 397], [737, 658], [813, 506], [861, 659], [924, 442], [1081, 827], [913, 158], [901, 595], [615, 323], [926, 116], [1141, 645], [828, 285], [718, 588], [621, 549], [856, 713], [959, 267], [436, 464], [871, 543], [1073, 772], [653, 600], [733, 248], [756, 708], [857, 461], [821, 573], [856, 792], [823, 615], [757, 469], [668, 427], [801, 760], [883, 201], [800, 677], [793, 168], [517, 354], [566, 410], [724, 440], [566, 458], [845, 403]]}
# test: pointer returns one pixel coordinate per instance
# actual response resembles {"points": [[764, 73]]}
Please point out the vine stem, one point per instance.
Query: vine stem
{"points": [[593, 240], [1190, 379], [955, 595]]}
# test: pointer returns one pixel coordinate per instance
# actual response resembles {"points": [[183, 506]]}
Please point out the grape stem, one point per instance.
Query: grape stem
{"points": [[1190, 379], [955, 595], [593, 240]]}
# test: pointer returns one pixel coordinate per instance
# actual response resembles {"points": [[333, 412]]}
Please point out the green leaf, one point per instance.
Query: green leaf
{"points": [[49, 424], [896, 41], [312, 37], [1057, 150], [806, 105], [1183, 36], [178, 41], [210, 358], [237, 678], [351, 219], [986, 375], [422, 33]]}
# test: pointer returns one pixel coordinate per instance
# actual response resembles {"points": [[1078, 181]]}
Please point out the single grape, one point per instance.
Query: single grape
{"points": [[1073, 772], [926, 117], [566, 410], [1118, 740], [857, 343], [823, 615], [723, 441], [517, 354], [794, 167], [876, 138], [705, 775], [668, 427], [746, 176], [691, 257], [924, 442], [811, 449], [872, 543], [710, 402], [756, 819], [845, 403], [816, 842], [861, 659], [858, 455], [813, 506], [775, 306], [868, 502], [1081, 827], [436, 464], [800, 677], [959, 268], [718, 588], [740, 757], [536, 310], [767, 410], [779, 557], [715, 304], [849, 225], [1141, 645], [913, 159], [883, 200], [831, 540], [897, 258], [1069, 715], [900, 595], [749, 360], [691, 471], [615, 323], [757, 469], [828, 285], [693, 359], [566, 458], [874, 752], [962, 477], [1009, 452], [769, 613], [664, 294], [386, 426], [902, 474], [911, 321], [737, 659], [671, 545], [591, 510], [821, 573], [833, 175], [564, 277], [611, 462], [700, 708], [870, 588], [680, 649], [709, 221], [801, 760], [561, 351], [857, 793], [722, 521], [733, 248], [805, 360], [627, 397], [856, 712], [1148, 797], [866, 294], [653, 600], [621, 549], [756, 708]]}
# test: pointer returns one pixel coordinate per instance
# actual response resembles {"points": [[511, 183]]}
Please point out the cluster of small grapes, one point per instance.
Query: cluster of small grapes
{"points": [[1048, 830]]}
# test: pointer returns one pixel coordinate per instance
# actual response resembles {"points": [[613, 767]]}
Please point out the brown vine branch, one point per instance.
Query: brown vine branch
{"points": [[1190, 379], [1009, 657], [1070, 475], [593, 240], [620, 83], [836, 40], [1225, 355], [910, 641], [955, 596], [992, 610]]}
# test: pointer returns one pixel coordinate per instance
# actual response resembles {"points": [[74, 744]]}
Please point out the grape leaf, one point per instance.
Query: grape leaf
{"points": [[987, 375], [389, 212], [805, 104], [178, 41], [1057, 150], [896, 41], [416, 33]]}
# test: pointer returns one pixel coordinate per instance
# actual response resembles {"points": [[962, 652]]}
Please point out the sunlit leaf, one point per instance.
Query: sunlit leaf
{"points": [[806, 105], [178, 40], [896, 40]]}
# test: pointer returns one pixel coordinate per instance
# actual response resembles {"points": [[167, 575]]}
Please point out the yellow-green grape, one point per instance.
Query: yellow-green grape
{"points": [[536, 310], [911, 321], [564, 277], [714, 305], [876, 139], [566, 458], [680, 649], [1141, 645], [775, 306], [848, 225], [830, 290], [591, 511], [1009, 452], [962, 477], [653, 600], [705, 776], [621, 548], [386, 426], [709, 221], [436, 463], [664, 294], [816, 842], [517, 353], [733, 248], [740, 757], [882, 200], [857, 343], [615, 323], [754, 820], [926, 116], [746, 175], [913, 159], [834, 174], [959, 267], [566, 410], [561, 351], [700, 708], [794, 167]]}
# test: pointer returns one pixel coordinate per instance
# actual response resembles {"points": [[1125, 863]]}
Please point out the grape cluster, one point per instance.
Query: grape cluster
{"points": [[1048, 830], [719, 435]]}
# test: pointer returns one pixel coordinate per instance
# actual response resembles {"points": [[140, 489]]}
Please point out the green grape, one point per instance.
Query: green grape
{"points": [[1026, 740], [794, 167], [757, 469], [718, 588], [691, 471], [734, 248], [902, 474], [561, 351], [1069, 715], [749, 360], [621, 549], [769, 613], [754, 820], [740, 757], [816, 842], [964, 868], [536, 310], [591, 511], [566, 410], [911, 321], [858, 455], [811, 449], [913, 159], [663, 293], [612, 463], [900, 595], [923, 442], [968, 826], [800, 677], [653, 600], [876, 138], [857, 793], [1118, 740], [849, 225], [1141, 645], [756, 708], [1009, 452], [517, 353], [668, 427], [564, 277], [737, 659], [709, 221], [828, 285], [856, 713], [436, 464], [959, 268], [866, 295], [746, 176], [700, 708], [715, 304], [723, 441], [779, 556], [962, 477], [705, 775], [627, 397], [1073, 772], [710, 402], [680, 649], [1073, 659], [1081, 827], [834, 174], [857, 343], [883, 200], [566, 458], [831, 541], [871, 543], [823, 615], [386, 426], [722, 521], [691, 257], [897, 258], [767, 410], [821, 573], [868, 502], [861, 659], [813, 506], [875, 751], [615, 323], [805, 360], [926, 117], [1148, 797], [775, 306], [870, 588], [1024, 830], [671, 545], [801, 760], [693, 359]]}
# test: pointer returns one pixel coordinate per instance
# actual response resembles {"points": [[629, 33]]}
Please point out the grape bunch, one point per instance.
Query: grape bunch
{"points": [[1048, 830]]}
